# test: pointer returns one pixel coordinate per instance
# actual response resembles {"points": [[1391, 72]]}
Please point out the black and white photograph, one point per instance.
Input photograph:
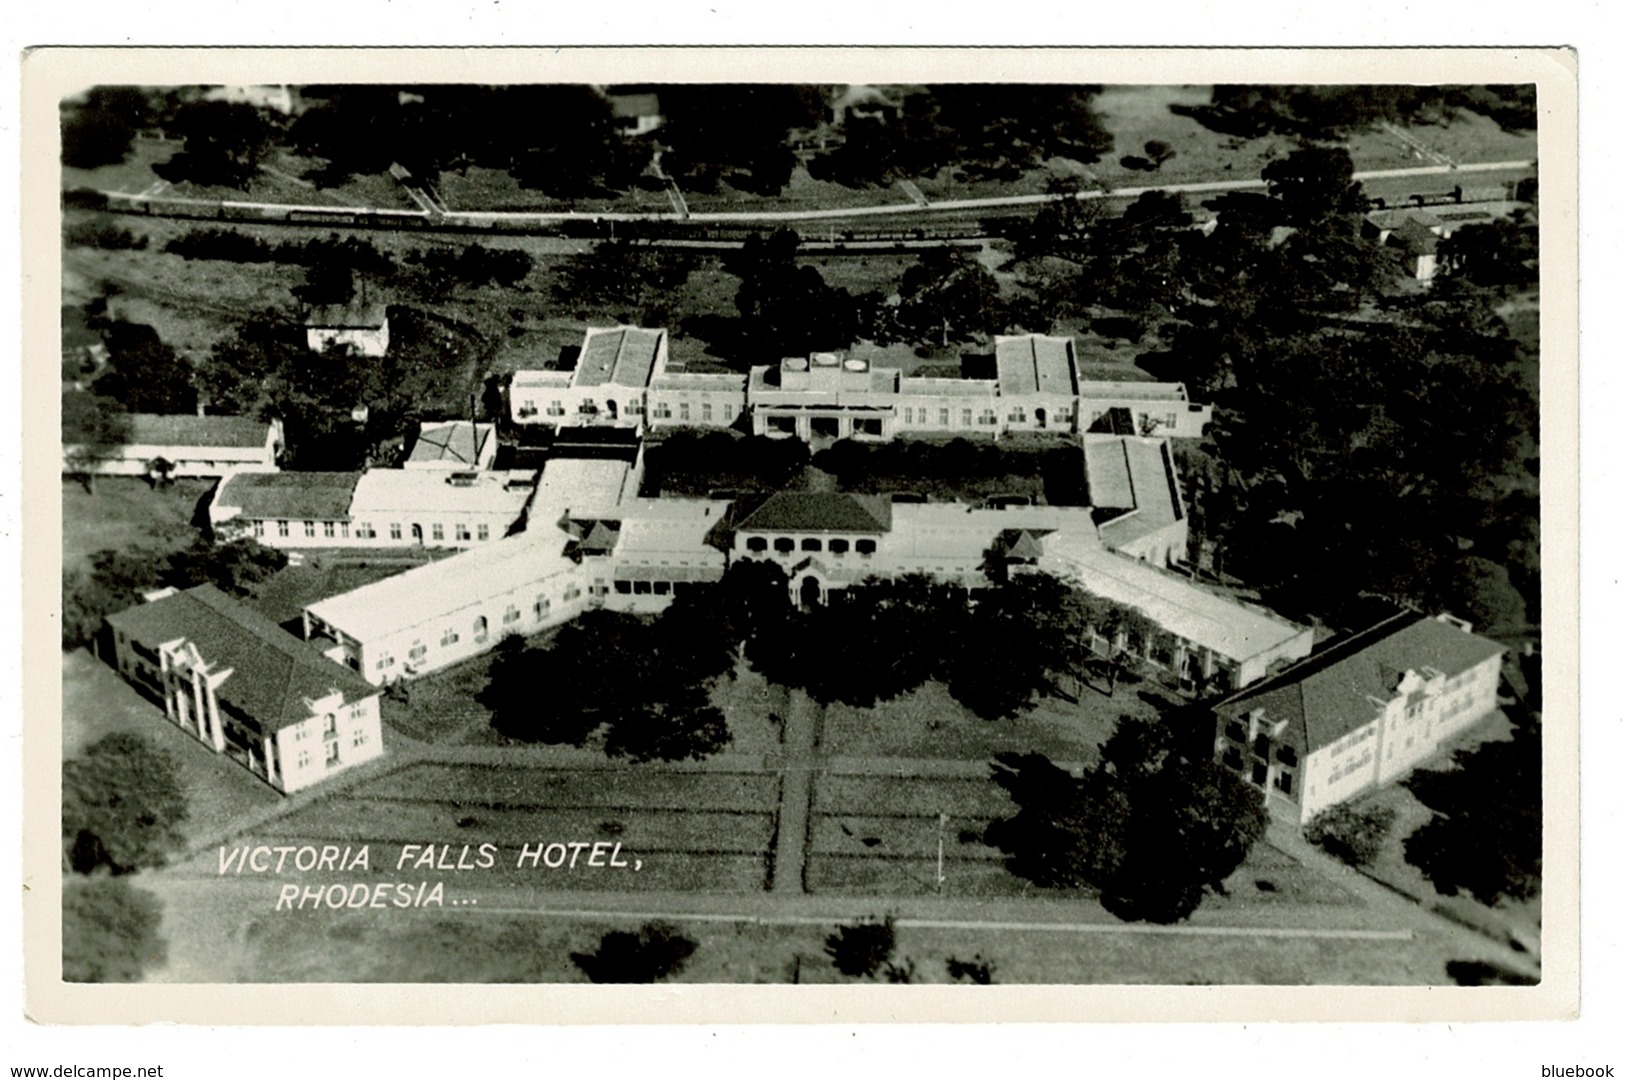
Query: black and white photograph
{"points": [[604, 524]]}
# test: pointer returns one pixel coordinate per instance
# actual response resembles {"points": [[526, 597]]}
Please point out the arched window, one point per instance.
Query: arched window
{"points": [[839, 547], [866, 547], [812, 543], [784, 545], [756, 543], [481, 628]]}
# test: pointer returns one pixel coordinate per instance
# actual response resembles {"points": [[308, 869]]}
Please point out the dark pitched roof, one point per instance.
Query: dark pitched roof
{"points": [[273, 673], [316, 496], [151, 429], [1329, 693], [797, 511]]}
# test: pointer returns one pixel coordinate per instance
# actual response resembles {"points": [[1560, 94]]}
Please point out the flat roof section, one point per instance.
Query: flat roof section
{"points": [[407, 492], [622, 356]]}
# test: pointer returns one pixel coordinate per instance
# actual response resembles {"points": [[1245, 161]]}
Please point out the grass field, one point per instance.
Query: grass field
{"points": [[698, 831], [124, 512]]}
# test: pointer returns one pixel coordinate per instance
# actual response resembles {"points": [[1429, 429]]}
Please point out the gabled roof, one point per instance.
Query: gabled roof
{"points": [[799, 511], [314, 496], [273, 674], [151, 429], [622, 356], [1333, 691], [1035, 364]]}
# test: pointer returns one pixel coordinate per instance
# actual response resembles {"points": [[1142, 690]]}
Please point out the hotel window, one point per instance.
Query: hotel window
{"points": [[437, 531], [964, 418], [662, 588], [662, 411], [571, 593], [419, 651], [394, 530], [1284, 782], [634, 407], [812, 544], [1235, 732], [756, 543], [623, 587], [866, 548], [329, 529], [642, 588], [363, 530], [1018, 416], [908, 415], [450, 637], [259, 527], [728, 411], [988, 418], [482, 628], [463, 533], [344, 530], [332, 753], [705, 412], [784, 545], [304, 759], [310, 529], [358, 739], [942, 417], [482, 532], [1170, 419], [1286, 755], [385, 661], [542, 606], [682, 410], [330, 725], [555, 408], [1261, 747], [587, 407], [839, 547], [511, 615], [282, 528]]}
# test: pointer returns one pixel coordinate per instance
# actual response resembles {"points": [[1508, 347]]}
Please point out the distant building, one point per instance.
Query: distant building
{"points": [[280, 99], [191, 445], [1359, 713], [361, 326], [453, 444], [1134, 489], [636, 110], [285, 509], [246, 688]]}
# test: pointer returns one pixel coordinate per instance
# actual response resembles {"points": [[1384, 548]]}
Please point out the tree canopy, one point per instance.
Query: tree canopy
{"points": [[123, 805], [1152, 827]]}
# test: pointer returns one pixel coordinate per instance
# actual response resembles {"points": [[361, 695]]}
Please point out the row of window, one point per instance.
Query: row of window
{"points": [[481, 629], [785, 545], [662, 409], [340, 530]]}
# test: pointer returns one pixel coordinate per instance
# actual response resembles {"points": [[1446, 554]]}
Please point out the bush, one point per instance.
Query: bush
{"points": [[653, 953], [104, 235], [225, 245], [1353, 834], [109, 931], [862, 949]]}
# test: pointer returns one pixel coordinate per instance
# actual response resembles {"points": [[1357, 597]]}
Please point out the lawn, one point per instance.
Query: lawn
{"points": [[125, 512], [286, 594], [97, 702], [929, 723], [693, 830]]}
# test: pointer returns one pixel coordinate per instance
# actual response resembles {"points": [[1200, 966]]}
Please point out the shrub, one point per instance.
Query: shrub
{"points": [[1353, 834], [655, 952], [862, 949]]}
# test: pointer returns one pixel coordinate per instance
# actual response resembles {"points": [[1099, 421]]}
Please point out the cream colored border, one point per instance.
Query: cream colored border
{"points": [[50, 74]]}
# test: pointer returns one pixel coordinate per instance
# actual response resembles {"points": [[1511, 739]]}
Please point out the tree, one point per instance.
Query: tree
{"points": [[122, 806], [1019, 637], [109, 931], [145, 375], [224, 141], [1502, 254], [656, 951], [99, 129], [737, 132], [1483, 593], [1153, 827], [238, 566], [786, 307], [948, 295], [1313, 184], [114, 580], [860, 950], [94, 429], [1354, 834], [623, 281], [684, 726], [1485, 833]]}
